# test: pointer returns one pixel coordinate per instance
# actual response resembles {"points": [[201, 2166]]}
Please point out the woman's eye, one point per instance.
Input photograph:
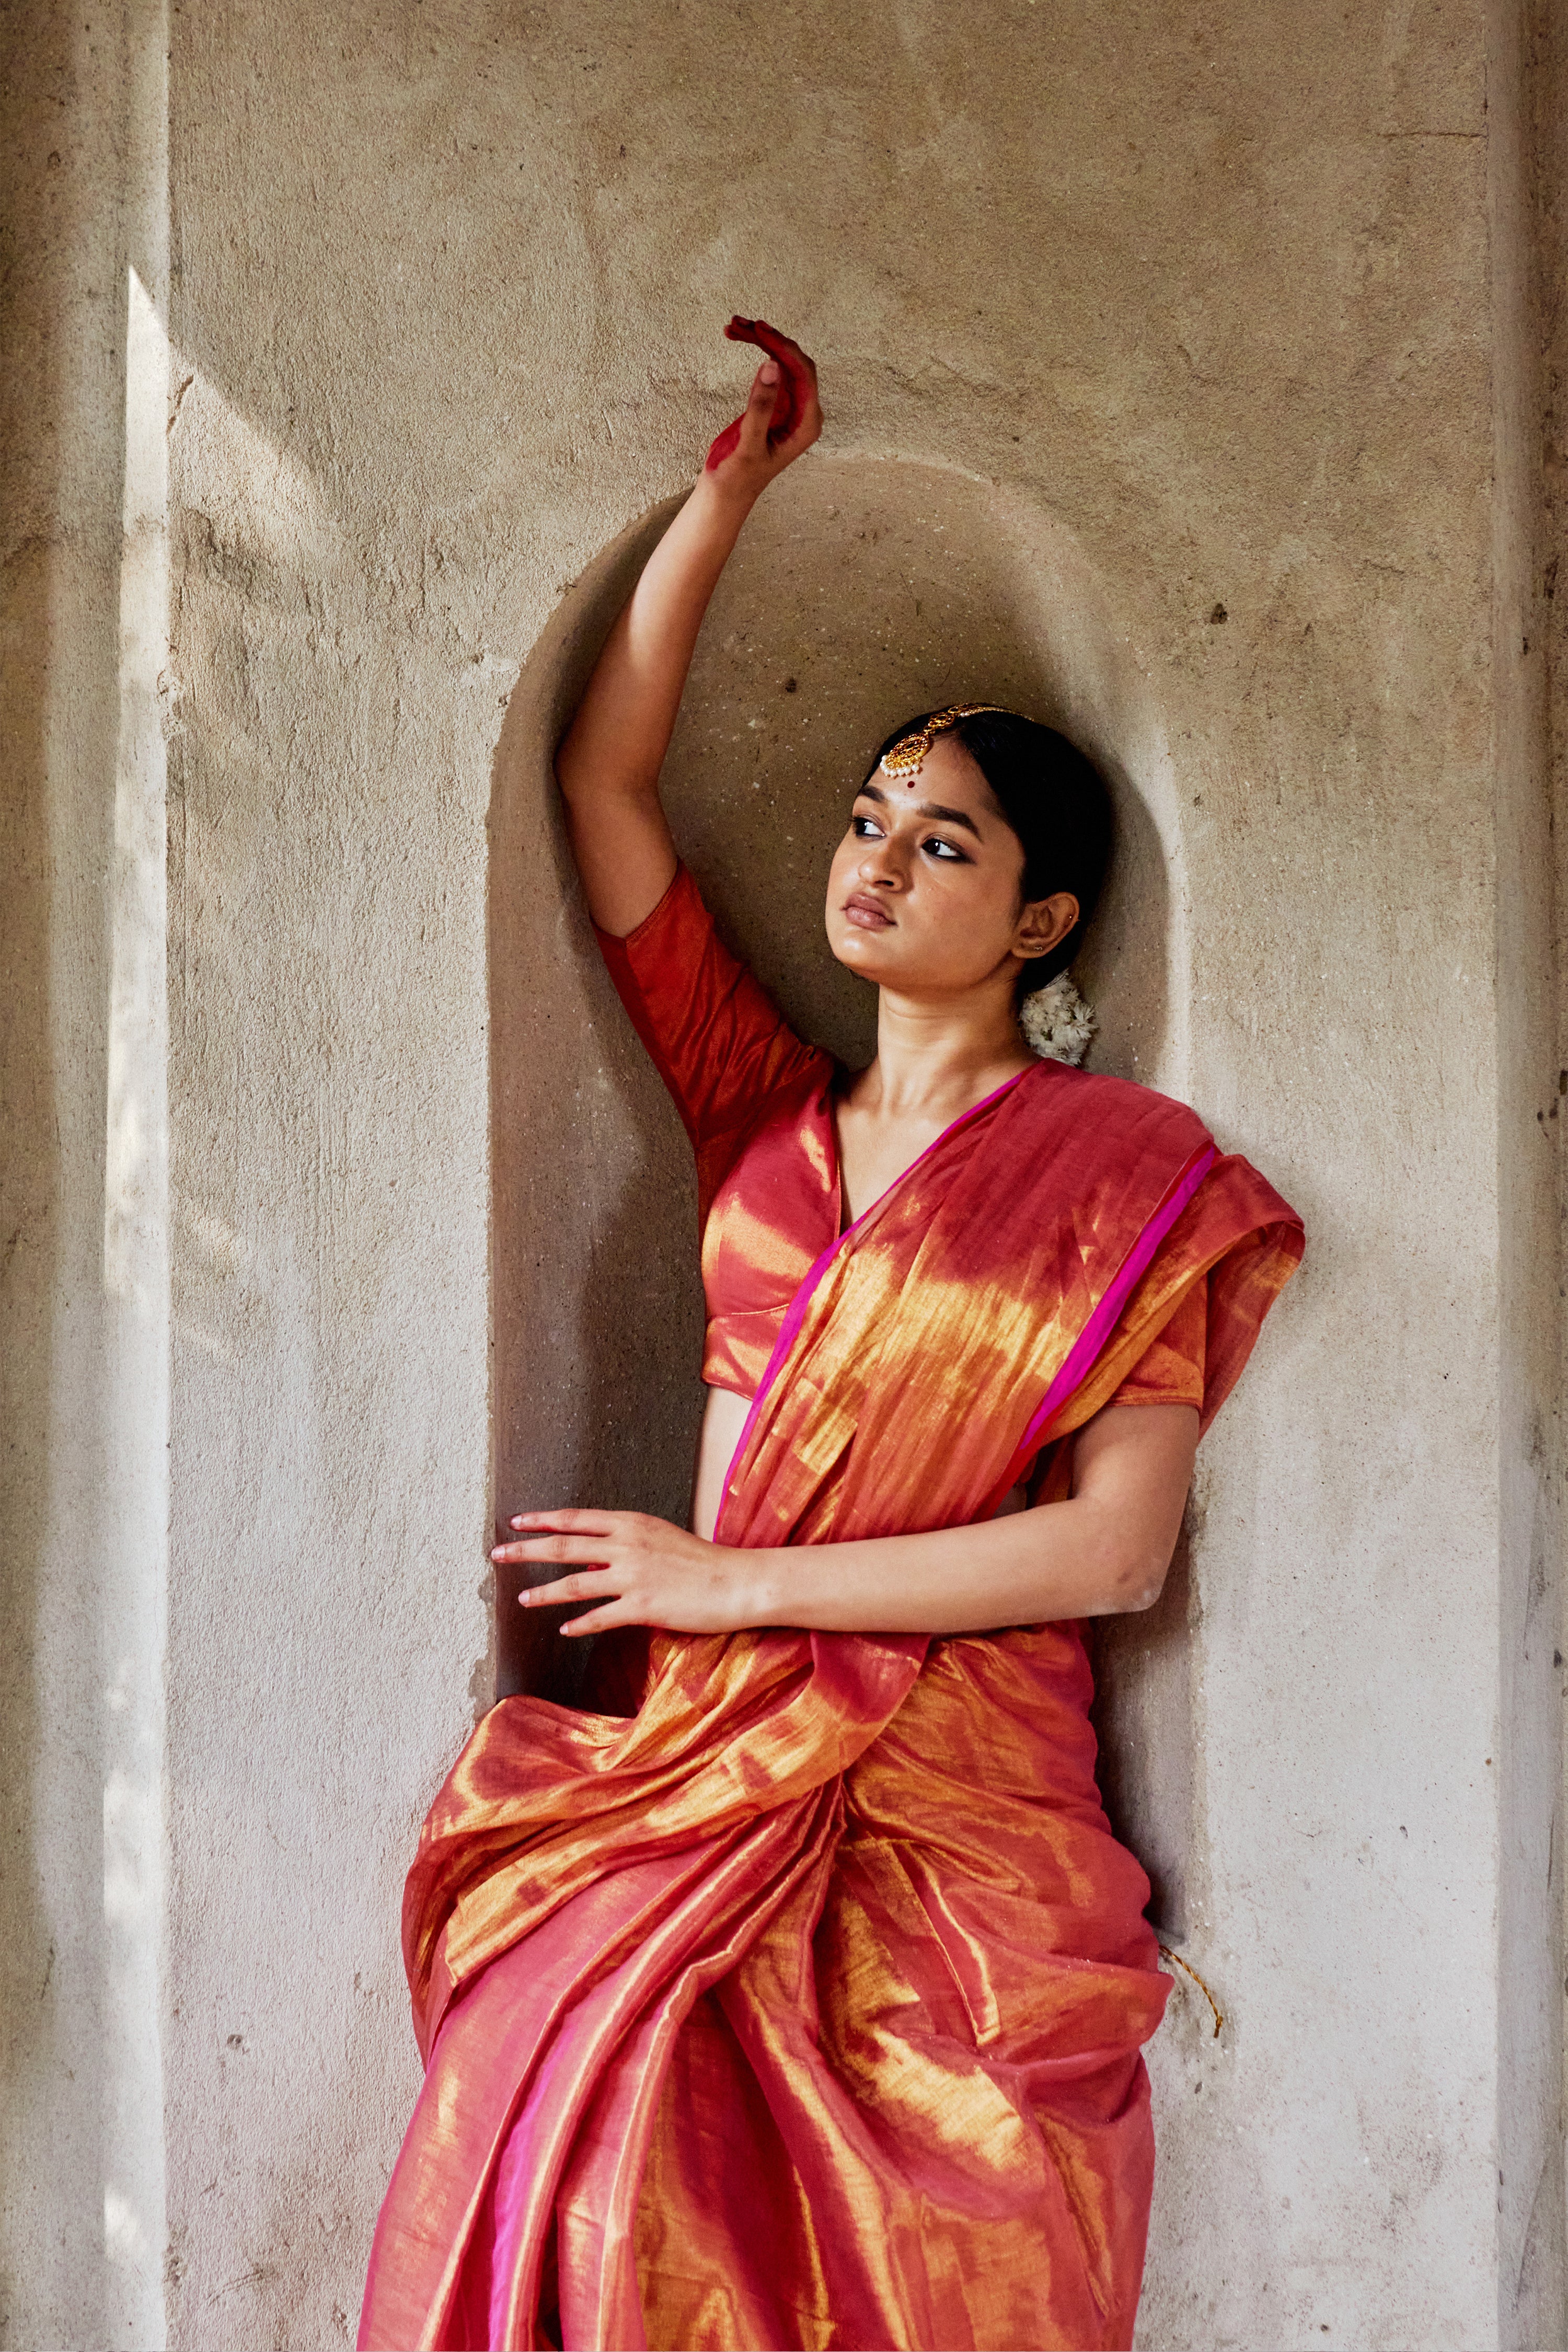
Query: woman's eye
{"points": [[944, 850], [865, 828]]}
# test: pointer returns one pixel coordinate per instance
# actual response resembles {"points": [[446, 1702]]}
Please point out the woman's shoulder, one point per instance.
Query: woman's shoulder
{"points": [[1127, 1120], [1114, 1106]]}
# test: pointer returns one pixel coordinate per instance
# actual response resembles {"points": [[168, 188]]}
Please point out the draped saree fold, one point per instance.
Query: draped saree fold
{"points": [[804, 2006]]}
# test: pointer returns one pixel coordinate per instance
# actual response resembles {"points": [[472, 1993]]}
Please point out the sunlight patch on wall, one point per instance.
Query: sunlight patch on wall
{"points": [[134, 1570]]}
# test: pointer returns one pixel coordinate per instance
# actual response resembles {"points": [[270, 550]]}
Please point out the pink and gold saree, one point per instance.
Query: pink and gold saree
{"points": [[804, 2005]]}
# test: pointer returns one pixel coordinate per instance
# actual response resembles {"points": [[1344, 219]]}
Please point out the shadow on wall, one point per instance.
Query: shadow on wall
{"points": [[597, 1314], [863, 591]]}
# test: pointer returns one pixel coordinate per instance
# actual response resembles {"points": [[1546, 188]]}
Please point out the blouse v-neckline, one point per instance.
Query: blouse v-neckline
{"points": [[832, 1093]]}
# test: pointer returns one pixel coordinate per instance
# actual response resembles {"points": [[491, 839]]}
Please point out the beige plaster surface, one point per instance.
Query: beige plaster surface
{"points": [[1178, 370], [83, 1376]]}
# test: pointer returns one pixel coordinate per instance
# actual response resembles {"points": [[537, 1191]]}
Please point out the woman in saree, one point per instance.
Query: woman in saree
{"points": [[792, 1992]]}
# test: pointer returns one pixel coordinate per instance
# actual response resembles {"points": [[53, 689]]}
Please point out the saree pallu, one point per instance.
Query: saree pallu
{"points": [[804, 2006]]}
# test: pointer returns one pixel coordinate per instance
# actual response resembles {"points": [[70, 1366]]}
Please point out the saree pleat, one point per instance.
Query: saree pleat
{"points": [[601, 2303], [804, 2005], [952, 2044], [599, 1988]]}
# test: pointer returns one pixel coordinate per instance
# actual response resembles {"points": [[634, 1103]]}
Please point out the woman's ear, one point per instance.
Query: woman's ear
{"points": [[1044, 924]]}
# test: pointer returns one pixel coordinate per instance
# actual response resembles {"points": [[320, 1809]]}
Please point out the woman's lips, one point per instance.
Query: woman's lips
{"points": [[867, 914]]}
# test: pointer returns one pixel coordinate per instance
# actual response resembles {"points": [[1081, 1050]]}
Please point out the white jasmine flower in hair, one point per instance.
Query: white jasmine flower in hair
{"points": [[1056, 1024]]}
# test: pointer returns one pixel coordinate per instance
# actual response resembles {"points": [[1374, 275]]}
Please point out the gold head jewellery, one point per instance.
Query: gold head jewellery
{"points": [[906, 756]]}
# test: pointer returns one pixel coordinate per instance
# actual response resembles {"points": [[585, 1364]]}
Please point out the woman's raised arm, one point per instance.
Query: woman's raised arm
{"points": [[609, 761]]}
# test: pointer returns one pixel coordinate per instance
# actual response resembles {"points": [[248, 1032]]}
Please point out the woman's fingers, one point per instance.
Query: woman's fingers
{"points": [[781, 370], [750, 433], [800, 372], [569, 1552], [602, 1586], [767, 387], [797, 426], [599, 1621], [598, 1530], [599, 1585], [792, 413], [537, 1529], [624, 1567], [572, 1522]]}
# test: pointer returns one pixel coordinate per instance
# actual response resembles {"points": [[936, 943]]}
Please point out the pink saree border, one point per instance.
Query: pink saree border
{"points": [[1085, 1351], [795, 1315]]}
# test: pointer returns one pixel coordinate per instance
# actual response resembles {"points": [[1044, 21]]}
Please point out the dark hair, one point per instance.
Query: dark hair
{"points": [[1056, 802]]}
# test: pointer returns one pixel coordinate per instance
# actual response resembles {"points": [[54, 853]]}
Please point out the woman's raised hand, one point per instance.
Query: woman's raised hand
{"points": [[609, 761], [781, 417]]}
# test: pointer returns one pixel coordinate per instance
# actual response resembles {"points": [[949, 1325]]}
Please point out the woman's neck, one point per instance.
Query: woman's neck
{"points": [[937, 1058]]}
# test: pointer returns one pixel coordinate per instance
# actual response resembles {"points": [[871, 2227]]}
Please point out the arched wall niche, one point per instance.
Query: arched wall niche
{"points": [[863, 590]]}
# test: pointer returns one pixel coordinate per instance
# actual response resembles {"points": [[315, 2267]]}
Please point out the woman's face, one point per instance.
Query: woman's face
{"points": [[924, 895]]}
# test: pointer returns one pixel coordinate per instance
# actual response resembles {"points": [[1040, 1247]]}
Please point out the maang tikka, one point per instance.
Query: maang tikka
{"points": [[908, 756]]}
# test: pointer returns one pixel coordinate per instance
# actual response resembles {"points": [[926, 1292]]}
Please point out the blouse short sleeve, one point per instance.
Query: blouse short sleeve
{"points": [[1171, 1370], [715, 1035]]}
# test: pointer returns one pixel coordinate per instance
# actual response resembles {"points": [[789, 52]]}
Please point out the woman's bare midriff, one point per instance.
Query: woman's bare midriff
{"points": [[724, 1418]]}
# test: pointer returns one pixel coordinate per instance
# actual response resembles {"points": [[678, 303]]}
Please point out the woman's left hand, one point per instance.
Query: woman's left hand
{"points": [[639, 1571]]}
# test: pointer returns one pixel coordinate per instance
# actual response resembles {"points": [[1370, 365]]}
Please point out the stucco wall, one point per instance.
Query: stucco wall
{"points": [[83, 1249], [1178, 364]]}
